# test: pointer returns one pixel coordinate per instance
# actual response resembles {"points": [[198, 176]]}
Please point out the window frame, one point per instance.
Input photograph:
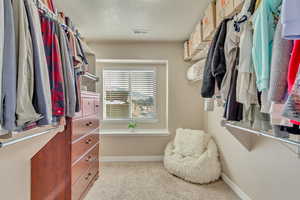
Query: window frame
{"points": [[144, 68]]}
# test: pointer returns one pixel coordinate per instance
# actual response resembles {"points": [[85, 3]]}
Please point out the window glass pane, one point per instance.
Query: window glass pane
{"points": [[129, 94], [143, 90]]}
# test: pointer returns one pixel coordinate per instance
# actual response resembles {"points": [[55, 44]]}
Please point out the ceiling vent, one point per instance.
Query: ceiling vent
{"points": [[140, 31]]}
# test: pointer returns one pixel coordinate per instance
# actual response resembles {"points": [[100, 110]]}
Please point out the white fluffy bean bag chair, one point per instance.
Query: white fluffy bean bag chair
{"points": [[193, 156]]}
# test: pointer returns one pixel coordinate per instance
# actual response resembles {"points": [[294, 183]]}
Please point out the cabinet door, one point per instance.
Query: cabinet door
{"points": [[50, 170]]}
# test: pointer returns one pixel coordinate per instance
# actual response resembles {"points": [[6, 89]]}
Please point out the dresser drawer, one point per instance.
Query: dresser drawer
{"points": [[88, 106], [80, 127], [80, 147], [81, 185], [97, 106], [80, 167]]}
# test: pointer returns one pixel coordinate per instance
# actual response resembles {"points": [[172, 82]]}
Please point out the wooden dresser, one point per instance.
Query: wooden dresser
{"points": [[84, 128], [68, 165]]}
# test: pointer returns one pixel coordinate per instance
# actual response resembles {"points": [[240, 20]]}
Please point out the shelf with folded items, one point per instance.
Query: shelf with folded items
{"points": [[236, 129]]}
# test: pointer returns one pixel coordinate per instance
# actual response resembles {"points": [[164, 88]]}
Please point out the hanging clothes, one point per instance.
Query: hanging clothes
{"points": [[54, 67], [9, 80], [1, 47], [68, 73], [290, 19], [77, 61], [292, 106], [293, 65], [278, 79], [82, 55], [42, 94], [25, 112], [264, 22], [49, 4], [279, 66], [233, 109], [230, 49], [215, 67], [246, 81]]}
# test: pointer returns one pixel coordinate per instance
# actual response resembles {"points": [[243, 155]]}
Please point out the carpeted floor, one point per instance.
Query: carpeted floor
{"points": [[150, 181]]}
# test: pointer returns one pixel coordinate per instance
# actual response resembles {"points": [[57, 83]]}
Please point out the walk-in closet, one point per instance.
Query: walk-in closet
{"points": [[149, 99]]}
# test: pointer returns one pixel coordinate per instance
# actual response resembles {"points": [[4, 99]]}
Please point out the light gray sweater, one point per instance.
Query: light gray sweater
{"points": [[279, 66]]}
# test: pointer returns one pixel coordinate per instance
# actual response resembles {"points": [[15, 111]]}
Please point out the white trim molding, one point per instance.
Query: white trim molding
{"points": [[131, 158], [235, 188], [136, 132]]}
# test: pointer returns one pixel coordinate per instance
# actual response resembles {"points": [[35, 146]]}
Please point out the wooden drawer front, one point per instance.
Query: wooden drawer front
{"points": [[88, 106], [80, 147], [85, 163], [81, 185], [83, 126], [97, 106]]}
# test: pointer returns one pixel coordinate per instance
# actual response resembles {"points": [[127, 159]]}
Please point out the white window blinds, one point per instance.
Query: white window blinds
{"points": [[129, 94]]}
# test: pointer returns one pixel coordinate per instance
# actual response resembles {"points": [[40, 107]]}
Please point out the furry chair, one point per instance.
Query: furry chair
{"points": [[193, 156]]}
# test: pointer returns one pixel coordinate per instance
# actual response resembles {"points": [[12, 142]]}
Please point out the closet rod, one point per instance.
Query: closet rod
{"points": [[261, 133], [91, 76], [21, 139]]}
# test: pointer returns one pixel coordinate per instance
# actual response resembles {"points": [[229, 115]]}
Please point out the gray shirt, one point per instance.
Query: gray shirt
{"points": [[9, 87]]}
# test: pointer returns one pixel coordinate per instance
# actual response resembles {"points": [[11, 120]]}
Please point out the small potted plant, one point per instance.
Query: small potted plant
{"points": [[132, 125]]}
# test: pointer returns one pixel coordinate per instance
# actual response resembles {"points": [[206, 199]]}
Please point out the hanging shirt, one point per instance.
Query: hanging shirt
{"points": [[279, 67], [290, 19], [42, 94], [9, 88], [1, 45], [68, 73], [264, 22], [54, 66], [25, 112]]}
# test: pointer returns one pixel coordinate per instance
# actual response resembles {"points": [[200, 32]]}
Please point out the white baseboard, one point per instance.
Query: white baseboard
{"points": [[131, 158], [235, 188]]}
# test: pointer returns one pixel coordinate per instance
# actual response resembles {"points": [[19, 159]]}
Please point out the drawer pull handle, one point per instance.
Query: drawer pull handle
{"points": [[89, 124], [89, 141], [97, 106], [89, 159], [88, 176]]}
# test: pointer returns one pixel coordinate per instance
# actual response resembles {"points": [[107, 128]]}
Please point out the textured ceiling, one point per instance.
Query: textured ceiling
{"points": [[114, 20]]}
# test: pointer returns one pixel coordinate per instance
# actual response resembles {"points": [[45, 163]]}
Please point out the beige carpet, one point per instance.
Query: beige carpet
{"points": [[150, 181]]}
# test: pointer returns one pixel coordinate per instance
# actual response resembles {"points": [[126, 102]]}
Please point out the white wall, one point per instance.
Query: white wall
{"points": [[185, 105], [270, 171], [15, 167]]}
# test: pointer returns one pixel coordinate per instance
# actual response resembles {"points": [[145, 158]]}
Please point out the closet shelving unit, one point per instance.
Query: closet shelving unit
{"points": [[236, 129], [91, 76], [27, 135]]}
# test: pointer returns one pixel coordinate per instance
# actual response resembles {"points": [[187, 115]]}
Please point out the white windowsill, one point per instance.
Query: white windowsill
{"points": [[136, 132]]}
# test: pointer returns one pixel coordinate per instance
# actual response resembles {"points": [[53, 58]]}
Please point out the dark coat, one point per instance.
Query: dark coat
{"points": [[215, 66]]}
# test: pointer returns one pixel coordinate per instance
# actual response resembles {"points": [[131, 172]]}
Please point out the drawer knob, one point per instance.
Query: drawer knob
{"points": [[89, 141], [89, 159], [89, 124], [88, 176], [97, 106]]}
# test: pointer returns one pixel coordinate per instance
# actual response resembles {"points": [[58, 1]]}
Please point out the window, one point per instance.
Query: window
{"points": [[129, 94]]}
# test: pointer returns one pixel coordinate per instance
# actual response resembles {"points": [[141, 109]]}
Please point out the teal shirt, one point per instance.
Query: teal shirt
{"points": [[264, 24]]}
